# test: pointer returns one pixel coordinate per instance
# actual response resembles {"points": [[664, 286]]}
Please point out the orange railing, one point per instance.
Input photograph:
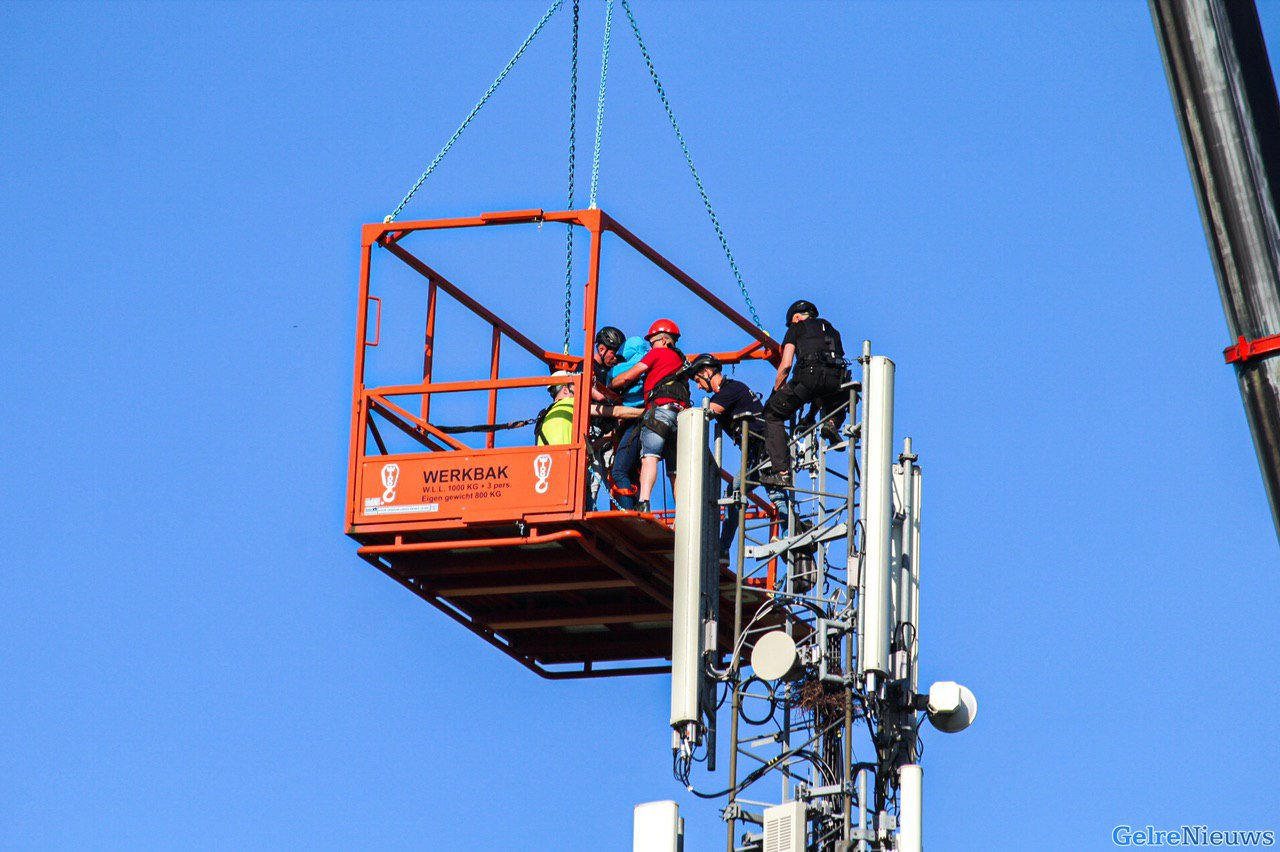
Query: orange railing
{"points": [[368, 401]]}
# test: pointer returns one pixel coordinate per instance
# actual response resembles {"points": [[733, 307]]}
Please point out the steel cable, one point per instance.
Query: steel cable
{"points": [[688, 158], [573, 146], [493, 87], [604, 76]]}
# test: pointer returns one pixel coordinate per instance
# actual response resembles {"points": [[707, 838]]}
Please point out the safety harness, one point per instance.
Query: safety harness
{"points": [[537, 425], [673, 386]]}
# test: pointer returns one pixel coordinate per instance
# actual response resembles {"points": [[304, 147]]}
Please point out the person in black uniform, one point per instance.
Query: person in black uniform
{"points": [[813, 345], [605, 354], [730, 399]]}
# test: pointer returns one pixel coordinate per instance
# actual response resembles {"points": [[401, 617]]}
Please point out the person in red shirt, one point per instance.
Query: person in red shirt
{"points": [[666, 393]]}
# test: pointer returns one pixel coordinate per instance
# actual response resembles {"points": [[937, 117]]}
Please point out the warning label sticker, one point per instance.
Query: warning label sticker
{"points": [[372, 508]]}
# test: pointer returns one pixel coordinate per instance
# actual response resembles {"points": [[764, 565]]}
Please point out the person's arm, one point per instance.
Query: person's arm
{"points": [[628, 376], [602, 393], [784, 366], [622, 412], [715, 408]]}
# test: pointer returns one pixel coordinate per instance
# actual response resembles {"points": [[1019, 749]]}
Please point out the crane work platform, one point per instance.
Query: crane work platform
{"points": [[500, 534]]}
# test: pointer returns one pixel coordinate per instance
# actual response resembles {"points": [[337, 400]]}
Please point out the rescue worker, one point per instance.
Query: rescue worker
{"points": [[626, 457], [666, 393], [555, 425], [813, 345], [602, 431], [605, 355], [731, 399]]}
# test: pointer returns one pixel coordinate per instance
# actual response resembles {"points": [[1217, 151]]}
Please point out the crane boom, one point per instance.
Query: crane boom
{"points": [[1225, 96]]}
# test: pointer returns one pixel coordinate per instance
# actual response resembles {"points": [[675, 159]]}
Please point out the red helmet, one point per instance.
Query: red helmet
{"points": [[663, 326]]}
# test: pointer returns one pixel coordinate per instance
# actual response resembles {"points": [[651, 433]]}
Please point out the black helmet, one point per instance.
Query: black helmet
{"points": [[801, 306], [700, 363], [611, 338]]}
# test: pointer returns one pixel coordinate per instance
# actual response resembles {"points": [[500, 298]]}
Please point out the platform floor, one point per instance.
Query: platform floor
{"points": [[589, 598]]}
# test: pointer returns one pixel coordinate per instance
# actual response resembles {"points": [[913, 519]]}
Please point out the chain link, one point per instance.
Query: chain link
{"points": [[493, 87], [684, 148], [573, 146], [604, 76]]}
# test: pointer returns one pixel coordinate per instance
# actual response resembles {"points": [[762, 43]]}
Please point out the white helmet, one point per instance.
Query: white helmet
{"points": [[555, 389]]}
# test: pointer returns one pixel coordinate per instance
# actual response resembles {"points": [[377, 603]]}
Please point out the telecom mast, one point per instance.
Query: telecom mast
{"points": [[811, 644], [821, 684]]}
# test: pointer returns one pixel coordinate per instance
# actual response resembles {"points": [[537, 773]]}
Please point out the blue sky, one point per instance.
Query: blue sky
{"points": [[994, 193]]}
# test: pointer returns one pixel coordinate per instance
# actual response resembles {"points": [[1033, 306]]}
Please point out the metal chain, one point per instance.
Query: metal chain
{"points": [[604, 76], [493, 87], [684, 148], [573, 146]]}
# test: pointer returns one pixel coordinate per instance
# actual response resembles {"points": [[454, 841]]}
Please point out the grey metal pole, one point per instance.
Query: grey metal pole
{"points": [[907, 571], [1225, 97], [852, 585], [735, 682]]}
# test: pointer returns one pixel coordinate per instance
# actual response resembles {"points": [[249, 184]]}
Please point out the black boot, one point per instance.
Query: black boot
{"points": [[776, 480]]}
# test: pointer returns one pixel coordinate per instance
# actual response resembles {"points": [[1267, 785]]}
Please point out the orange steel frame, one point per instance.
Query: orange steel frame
{"points": [[596, 222], [396, 535]]}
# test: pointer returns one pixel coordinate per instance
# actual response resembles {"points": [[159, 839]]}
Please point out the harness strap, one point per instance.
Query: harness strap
{"points": [[492, 427], [672, 386]]}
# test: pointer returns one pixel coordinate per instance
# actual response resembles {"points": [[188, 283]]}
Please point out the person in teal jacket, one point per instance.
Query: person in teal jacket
{"points": [[629, 354], [626, 459]]}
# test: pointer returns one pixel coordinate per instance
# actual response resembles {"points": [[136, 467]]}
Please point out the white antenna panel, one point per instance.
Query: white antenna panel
{"points": [[657, 827]]}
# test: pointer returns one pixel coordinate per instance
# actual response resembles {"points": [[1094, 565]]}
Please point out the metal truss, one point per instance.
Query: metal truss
{"points": [[830, 733]]}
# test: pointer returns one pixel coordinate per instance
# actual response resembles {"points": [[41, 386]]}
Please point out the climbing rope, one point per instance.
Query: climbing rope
{"points": [[684, 148], [604, 75], [573, 145], [493, 87]]}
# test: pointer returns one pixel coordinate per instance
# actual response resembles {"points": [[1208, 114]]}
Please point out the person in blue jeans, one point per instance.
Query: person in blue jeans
{"points": [[731, 399], [626, 458], [666, 393]]}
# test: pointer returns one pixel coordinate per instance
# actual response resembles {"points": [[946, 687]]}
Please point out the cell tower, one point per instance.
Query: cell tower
{"points": [[821, 684], [809, 643], [819, 670]]}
